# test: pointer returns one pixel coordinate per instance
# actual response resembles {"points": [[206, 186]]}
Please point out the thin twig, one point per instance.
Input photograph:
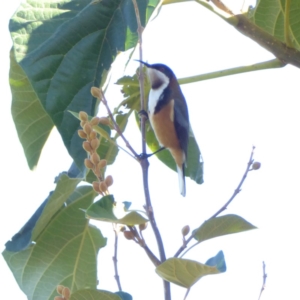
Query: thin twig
{"points": [[117, 128], [224, 207], [115, 259], [264, 280], [144, 162], [238, 189], [140, 240]]}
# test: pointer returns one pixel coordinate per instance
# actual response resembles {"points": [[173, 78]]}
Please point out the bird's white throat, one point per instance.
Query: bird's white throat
{"points": [[159, 81]]}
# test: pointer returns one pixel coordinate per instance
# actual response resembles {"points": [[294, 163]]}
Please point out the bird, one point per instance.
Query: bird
{"points": [[168, 115]]}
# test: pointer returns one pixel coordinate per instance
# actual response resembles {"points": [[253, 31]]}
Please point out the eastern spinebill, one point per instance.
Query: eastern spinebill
{"points": [[169, 117]]}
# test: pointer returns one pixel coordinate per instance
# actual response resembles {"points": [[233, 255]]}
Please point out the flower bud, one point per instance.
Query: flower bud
{"points": [[256, 165], [82, 134], [95, 121], [96, 186], [95, 144], [88, 164], [128, 235], [83, 116], [66, 293], [59, 289], [87, 146], [87, 128], [95, 158], [102, 164], [143, 226], [102, 187], [109, 180], [96, 92], [93, 135], [185, 230], [104, 121]]}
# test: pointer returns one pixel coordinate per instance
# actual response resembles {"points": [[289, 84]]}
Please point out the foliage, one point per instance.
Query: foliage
{"points": [[61, 49]]}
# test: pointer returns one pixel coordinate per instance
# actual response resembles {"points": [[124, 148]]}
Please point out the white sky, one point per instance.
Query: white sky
{"points": [[228, 116]]}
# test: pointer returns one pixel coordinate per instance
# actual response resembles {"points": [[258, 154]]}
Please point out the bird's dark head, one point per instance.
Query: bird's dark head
{"points": [[159, 74]]}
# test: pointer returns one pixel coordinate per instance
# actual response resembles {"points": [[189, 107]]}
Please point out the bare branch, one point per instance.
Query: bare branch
{"points": [[264, 280], [144, 161], [115, 258]]}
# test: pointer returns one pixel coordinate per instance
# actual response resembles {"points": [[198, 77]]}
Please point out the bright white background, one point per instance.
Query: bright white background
{"points": [[228, 116]]}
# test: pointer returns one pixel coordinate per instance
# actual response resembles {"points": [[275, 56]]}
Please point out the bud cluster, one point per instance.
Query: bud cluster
{"points": [[90, 145], [64, 292]]}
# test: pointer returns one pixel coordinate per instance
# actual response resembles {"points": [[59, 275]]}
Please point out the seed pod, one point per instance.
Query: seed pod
{"points": [[66, 293], [87, 128], [102, 164], [96, 92], [185, 230], [256, 165], [109, 180], [96, 186], [128, 235], [83, 116], [104, 121], [102, 187], [95, 144], [87, 146], [82, 123], [59, 289], [82, 134], [95, 121], [58, 298]]}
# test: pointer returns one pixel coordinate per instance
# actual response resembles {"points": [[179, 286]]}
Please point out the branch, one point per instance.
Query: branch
{"points": [[264, 280], [236, 191], [98, 93], [144, 162], [115, 260], [270, 64]]}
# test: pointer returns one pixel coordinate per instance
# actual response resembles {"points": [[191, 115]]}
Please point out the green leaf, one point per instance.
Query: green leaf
{"points": [[221, 226], [82, 39], [32, 123], [89, 294], [271, 16], [184, 272], [102, 210], [131, 92], [65, 252]]}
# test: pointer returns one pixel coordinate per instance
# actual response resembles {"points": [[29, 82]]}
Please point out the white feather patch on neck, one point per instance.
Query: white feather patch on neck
{"points": [[161, 81]]}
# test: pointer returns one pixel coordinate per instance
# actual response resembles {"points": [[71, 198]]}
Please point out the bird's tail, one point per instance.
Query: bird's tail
{"points": [[181, 179]]}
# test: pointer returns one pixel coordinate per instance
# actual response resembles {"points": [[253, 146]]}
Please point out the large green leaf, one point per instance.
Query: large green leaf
{"points": [[221, 226], [32, 122], [42, 216], [273, 17], [131, 91], [74, 44], [65, 253], [184, 272]]}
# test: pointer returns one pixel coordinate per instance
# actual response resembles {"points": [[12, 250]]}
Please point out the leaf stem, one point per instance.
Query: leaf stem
{"points": [[270, 64]]}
